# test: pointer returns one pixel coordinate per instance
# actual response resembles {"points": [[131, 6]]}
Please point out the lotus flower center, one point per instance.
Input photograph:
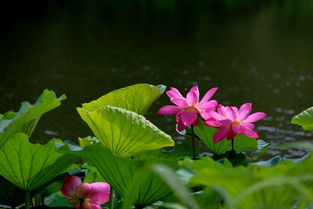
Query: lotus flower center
{"points": [[196, 105], [191, 108], [236, 123]]}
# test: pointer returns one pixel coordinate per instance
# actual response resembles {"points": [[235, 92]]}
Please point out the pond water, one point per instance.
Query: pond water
{"points": [[254, 51]]}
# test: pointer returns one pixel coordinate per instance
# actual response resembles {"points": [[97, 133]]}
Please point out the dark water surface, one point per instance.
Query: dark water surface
{"points": [[254, 51]]}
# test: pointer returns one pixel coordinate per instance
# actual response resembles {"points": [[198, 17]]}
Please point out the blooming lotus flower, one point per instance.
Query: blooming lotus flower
{"points": [[83, 195], [186, 109], [233, 121]]}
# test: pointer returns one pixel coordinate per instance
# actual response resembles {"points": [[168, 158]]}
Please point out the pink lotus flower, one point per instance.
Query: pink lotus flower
{"points": [[83, 195], [233, 121], [186, 109]]}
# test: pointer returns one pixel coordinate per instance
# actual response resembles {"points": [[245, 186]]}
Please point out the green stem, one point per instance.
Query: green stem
{"points": [[27, 199], [111, 198], [193, 143], [232, 144]]}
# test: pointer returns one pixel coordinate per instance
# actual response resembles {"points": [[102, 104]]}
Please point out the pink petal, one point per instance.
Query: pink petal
{"points": [[245, 106], [88, 205], [231, 134], [193, 96], [209, 94], [222, 110], [178, 116], [221, 133], [244, 111], [249, 126], [205, 115], [255, 117], [237, 129], [205, 106], [217, 123], [194, 88], [230, 113], [180, 102], [250, 133], [169, 110], [213, 123], [180, 125], [189, 116], [174, 93], [235, 109], [69, 186], [99, 193], [92, 206], [225, 122], [215, 115], [83, 190]]}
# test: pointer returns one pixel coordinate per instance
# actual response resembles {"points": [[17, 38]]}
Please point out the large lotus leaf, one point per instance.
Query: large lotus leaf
{"points": [[137, 98], [131, 179], [176, 185], [304, 119], [208, 199], [124, 132], [255, 186], [277, 159], [29, 166], [178, 152], [28, 115], [147, 187], [57, 200], [242, 142]]}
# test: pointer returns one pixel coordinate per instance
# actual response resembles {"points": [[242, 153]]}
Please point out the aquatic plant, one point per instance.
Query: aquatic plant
{"points": [[186, 109], [233, 121], [124, 165], [84, 195]]}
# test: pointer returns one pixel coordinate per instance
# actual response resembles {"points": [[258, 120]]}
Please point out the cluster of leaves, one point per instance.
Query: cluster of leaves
{"points": [[25, 168], [126, 151]]}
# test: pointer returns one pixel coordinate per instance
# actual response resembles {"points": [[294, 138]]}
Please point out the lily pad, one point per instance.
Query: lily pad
{"points": [[137, 98], [131, 179], [30, 166], [124, 132], [304, 119], [28, 115]]}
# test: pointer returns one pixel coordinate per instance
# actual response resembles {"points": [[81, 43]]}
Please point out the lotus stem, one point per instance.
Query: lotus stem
{"points": [[193, 143], [232, 144], [111, 198], [27, 199]]}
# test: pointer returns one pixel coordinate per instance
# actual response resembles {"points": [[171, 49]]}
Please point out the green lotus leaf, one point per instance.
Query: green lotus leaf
{"points": [[147, 187], [178, 152], [131, 179], [256, 186], [304, 119], [176, 185], [57, 200], [124, 132], [30, 166], [28, 115], [208, 199], [242, 142], [137, 98]]}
